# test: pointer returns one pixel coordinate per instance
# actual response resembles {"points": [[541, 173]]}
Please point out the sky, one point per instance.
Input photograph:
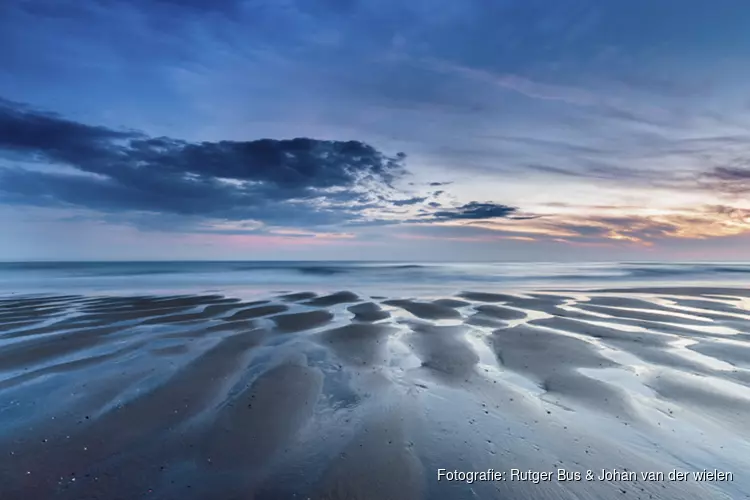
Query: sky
{"points": [[540, 130]]}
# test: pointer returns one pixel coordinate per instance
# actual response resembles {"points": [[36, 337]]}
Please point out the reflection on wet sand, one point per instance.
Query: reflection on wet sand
{"points": [[348, 396]]}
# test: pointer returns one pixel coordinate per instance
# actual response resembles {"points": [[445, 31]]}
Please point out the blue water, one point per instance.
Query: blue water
{"points": [[82, 277]]}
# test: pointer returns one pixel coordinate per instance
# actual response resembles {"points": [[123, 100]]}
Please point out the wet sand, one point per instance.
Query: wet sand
{"points": [[352, 396]]}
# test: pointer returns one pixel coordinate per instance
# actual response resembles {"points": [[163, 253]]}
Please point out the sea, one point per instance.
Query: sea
{"points": [[257, 277]]}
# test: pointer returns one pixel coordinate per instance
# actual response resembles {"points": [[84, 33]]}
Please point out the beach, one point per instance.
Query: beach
{"points": [[305, 389]]}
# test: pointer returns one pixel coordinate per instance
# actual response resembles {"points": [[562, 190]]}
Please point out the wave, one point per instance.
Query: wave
{"points": [[336, 274], [655, 270]]}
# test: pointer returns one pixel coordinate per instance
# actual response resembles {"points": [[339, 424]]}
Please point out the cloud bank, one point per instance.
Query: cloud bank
{"points": [[299, 181]]}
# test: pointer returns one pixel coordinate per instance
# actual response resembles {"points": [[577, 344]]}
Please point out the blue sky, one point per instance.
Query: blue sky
{"points": [[539, 130]]}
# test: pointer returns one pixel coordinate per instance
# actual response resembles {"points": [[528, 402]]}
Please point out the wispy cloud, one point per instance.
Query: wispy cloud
{"points": [[602, 103], [687, 224], [729, 179]]}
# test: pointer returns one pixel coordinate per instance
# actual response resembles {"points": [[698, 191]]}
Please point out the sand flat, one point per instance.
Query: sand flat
{"points": [[212, 396]]}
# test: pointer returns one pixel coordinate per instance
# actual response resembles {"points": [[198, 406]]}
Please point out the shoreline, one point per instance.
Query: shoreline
{"points": [[301, 393]]}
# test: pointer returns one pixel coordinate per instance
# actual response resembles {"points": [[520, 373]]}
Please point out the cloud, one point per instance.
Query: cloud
{"points": [[734, 179], [698, 223], [476, 210], [601, 104], [731, 174], [162, 183], [301, 181], [409, 201], [24, 130]]}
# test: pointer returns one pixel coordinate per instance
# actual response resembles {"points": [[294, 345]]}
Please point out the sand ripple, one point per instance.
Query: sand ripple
{"points": [[349, 396]]}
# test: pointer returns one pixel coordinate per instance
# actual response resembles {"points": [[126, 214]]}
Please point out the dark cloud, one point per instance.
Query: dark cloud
{"points": [[731, 174], [47, 135], [440, 183], [304, 181], [161, 182], [732, 179], [409, 201], [476, 210]]}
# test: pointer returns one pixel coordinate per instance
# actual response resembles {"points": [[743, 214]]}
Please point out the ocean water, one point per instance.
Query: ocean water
{"points": [[269, 276]]}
